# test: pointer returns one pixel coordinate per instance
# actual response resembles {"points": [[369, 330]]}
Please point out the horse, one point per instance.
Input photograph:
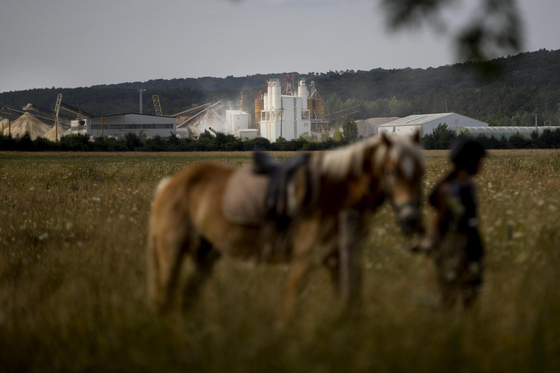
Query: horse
{"points": [[187, 219]]}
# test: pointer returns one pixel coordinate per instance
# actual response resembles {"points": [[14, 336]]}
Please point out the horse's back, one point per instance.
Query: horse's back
{"points": [[194, 197]]}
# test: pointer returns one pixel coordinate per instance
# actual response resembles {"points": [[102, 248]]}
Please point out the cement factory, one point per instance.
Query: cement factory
{"points": [[281, 111], [287, 110]]}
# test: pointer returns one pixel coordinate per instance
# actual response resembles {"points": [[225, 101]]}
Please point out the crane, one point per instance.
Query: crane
{"points": [[56, 110], [157, 105]]}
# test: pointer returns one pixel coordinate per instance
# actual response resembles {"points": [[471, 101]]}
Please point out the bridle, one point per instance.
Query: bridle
{"points": [[398, 207]]}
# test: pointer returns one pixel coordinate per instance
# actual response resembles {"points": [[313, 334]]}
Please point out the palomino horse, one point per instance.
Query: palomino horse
{"points": [[187, 216]]}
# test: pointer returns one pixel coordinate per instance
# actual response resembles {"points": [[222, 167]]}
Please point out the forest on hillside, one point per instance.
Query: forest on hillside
{"points": [[527, 84]]}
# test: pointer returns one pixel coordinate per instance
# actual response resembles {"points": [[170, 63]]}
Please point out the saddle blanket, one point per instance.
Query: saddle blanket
{"points": [[244, 200], [244, 197]]}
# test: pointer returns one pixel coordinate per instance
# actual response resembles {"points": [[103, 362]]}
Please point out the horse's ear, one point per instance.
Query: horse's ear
{"points": [[385, 138], [416, 137]]}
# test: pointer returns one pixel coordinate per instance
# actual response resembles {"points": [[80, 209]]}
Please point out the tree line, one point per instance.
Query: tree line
{"points": [[134, 142], [441, 138]]}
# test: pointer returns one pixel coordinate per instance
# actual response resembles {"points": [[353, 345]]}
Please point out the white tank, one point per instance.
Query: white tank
{"points": [[276, 96], [269, 95], [265, 101], [303, 93]]}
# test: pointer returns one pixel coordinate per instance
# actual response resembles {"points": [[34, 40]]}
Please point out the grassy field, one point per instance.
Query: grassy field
{"points": [[72, 281]]}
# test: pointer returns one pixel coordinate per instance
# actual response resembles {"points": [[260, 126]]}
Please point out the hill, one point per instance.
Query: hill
{"points": [[528, 83]]}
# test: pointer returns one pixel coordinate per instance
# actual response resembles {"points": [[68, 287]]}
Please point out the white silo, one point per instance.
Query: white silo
{"points": [[269, 95], [265, 101], [303, 93], [276, 96]]}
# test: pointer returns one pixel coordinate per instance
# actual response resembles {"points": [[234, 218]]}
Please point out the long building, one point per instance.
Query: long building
{"points": [[426, 123], [120, 124]]}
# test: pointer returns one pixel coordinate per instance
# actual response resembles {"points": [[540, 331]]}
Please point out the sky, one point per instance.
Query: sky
{"points": [[79, 43]]}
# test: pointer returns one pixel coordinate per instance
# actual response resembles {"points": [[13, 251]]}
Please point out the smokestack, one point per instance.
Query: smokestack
{"points": [[241, 100], [140, 90]]}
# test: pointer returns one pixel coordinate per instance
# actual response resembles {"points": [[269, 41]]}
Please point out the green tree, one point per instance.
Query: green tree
{"points": [[337, 136], [132, 141], [440, 138], [350, 129]]}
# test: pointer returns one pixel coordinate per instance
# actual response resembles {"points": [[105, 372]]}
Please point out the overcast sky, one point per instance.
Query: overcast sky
{"points": [[74, 43]]}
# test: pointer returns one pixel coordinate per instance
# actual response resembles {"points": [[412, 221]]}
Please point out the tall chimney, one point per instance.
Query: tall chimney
{"points": [[141, 104]]}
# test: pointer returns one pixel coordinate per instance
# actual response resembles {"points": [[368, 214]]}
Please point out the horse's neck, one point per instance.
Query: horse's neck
{"points": [[351, 192]]}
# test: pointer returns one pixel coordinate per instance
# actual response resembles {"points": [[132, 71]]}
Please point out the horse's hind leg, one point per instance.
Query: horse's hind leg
{"points": [[166, 250], [297, 278], [204, 257]]}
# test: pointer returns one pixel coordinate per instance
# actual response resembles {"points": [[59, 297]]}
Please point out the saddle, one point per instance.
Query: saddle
{"points": [[263, 191]]}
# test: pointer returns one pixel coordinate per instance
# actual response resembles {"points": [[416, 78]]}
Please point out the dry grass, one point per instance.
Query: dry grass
{"points": [[72, 281]]}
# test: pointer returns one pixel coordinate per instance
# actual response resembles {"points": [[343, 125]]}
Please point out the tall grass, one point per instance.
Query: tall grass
{"points": [[72, 281]]}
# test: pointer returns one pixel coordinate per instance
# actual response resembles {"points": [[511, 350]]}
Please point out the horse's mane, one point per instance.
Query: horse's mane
{"points": [[349, 160]]}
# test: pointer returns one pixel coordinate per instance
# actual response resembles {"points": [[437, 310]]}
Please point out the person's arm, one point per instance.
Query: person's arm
{"points": [[442, 200]]}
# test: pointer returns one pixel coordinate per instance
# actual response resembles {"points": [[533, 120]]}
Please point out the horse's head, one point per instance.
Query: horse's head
{"points": [[400, 165]]}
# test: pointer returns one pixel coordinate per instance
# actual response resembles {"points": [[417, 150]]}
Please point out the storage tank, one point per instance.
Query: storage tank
{"points": [[319, 107], [303, 93], [276, 96], [310, 108], [269, 96], [259, 106], [265, 101]]}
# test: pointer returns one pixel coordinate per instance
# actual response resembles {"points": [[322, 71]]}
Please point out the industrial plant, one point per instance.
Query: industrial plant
{"points": [[289, 114], [282, 110]]}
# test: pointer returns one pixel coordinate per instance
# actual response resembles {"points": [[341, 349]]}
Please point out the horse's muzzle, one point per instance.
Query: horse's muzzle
{"points": [[410, 220]]}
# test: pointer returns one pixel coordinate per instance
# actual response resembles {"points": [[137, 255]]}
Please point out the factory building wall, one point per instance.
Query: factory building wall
{"points": [[119, 125], [236, 120], [452, 121]]}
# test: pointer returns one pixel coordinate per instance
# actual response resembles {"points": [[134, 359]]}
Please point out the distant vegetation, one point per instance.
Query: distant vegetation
{"points": [[529, 83], [133, 142], [441, 138]]}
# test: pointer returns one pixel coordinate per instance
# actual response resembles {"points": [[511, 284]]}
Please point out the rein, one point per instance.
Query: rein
{"points": [[398, 207]]}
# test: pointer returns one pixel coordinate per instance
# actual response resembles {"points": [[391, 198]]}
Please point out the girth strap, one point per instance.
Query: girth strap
{"points": [[280, 175]]}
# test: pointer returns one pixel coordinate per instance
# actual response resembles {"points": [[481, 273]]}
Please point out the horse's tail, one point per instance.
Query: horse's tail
{"points": [[154, 267]]}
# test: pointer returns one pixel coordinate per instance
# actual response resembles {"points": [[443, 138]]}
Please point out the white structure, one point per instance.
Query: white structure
{"points": [[246, 133], [285, 116], [426, 123], [120, 124], [236, 120], [498, 132]]}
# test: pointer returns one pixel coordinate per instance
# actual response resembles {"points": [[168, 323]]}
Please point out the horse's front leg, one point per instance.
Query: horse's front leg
{"points": [[343, 263], [304, 258], [349, 255]]}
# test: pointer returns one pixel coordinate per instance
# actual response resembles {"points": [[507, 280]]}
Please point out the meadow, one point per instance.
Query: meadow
{"points": [[73, 280]]}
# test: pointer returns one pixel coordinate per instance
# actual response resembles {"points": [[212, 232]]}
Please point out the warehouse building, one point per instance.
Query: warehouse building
{"points": [[426, 123], [120, 124]]}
